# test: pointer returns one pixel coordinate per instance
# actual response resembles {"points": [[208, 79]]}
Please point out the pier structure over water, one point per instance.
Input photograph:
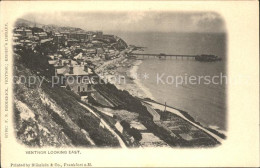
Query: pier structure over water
{"points": [[202, 58], [162, 56]]}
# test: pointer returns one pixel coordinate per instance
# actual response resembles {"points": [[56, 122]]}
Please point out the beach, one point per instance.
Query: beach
{"points": [[138, 87], [124, 77]]}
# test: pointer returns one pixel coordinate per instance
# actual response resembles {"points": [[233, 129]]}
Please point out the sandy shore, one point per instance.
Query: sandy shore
{"points": [[128, 70], [144, 91]]}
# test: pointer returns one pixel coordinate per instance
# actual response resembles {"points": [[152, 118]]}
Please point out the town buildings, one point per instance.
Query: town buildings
{"points": [[76, 78], [73, 60]]}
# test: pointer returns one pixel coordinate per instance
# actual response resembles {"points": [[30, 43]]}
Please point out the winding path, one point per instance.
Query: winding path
{"points": [[121, 142]]}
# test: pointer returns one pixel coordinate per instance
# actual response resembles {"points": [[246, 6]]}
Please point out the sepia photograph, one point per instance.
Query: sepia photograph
{"points": [[120, 79]]}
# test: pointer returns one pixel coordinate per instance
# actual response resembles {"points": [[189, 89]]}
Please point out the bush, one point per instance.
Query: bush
{"points": [[125, 124], [135, 133], [131, 131]]}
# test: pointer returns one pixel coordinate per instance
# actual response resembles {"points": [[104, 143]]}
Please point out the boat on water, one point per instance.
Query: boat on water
{"points": [[207, 58]]}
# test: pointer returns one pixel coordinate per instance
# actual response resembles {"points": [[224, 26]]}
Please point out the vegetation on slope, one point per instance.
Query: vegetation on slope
{"points": [[79, 117]]}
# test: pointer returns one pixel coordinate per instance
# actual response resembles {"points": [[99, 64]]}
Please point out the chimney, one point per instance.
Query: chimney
{"points": [[71, 70]]}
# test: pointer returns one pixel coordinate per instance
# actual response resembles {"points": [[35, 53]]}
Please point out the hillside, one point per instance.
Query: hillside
{"points": [[46, 116], [26, 23]]}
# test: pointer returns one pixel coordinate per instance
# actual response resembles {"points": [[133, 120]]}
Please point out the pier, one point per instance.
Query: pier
{"points": [[161, 56], [201, 58]]}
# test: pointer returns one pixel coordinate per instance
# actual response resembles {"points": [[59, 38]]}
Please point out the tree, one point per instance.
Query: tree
{"points": [[135, 133]]}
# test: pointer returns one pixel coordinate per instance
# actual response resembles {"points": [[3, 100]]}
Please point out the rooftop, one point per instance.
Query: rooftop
{"points": [[79, 71]]}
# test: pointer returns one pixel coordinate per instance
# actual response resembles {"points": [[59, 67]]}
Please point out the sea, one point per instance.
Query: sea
{"points": [[169, 80]]}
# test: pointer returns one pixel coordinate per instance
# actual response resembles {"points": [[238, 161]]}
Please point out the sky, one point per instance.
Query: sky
{"points": [[137, 21]]}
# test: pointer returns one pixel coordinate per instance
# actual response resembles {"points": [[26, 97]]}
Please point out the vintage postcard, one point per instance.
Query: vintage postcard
{"points": [[113, 83]]}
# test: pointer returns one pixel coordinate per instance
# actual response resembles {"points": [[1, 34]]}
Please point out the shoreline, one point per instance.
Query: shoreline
{"points": [[137, 81], [137, 89], [128, 69]]}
